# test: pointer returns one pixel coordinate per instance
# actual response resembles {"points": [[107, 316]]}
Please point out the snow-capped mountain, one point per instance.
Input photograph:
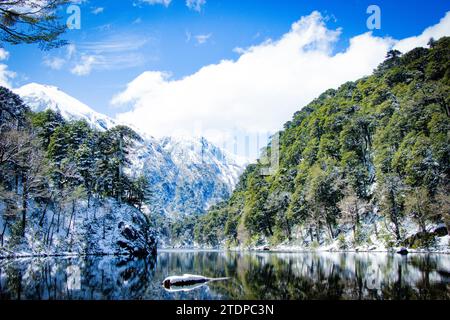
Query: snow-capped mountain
{"points": [[42, 97], [187, 175]]}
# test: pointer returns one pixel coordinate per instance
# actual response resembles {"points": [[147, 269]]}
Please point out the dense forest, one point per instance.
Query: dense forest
{"points": [[374, 151], [52, 165], [370, 158]]}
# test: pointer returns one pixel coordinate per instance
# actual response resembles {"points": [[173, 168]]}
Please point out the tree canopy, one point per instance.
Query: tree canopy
{"points": [[379, 145]]}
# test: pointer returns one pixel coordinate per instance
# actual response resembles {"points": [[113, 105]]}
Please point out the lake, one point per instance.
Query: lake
{"points": [[252, 275]]}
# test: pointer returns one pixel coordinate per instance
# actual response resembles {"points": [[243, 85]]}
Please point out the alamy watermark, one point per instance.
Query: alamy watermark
{"points": [[271, 162], [73, 22], [374, 20]]}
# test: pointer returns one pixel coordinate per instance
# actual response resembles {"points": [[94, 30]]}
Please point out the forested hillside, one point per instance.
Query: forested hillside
{"points": [[364, 164], [52, 171]]}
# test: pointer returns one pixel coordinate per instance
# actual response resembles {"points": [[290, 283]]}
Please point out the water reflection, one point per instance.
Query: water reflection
{"points": [[252, 276]]}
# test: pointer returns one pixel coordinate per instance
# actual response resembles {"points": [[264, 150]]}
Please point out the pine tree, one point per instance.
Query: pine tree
{"points": [[27, 21]]}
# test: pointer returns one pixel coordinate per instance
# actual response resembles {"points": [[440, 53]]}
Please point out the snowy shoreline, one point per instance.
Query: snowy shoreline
{"points": [[57, 255], [304, 250], [441, 245], [236, 250]]}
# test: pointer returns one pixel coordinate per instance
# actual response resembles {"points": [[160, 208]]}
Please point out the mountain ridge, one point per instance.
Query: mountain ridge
{"points": [[172, 164]]}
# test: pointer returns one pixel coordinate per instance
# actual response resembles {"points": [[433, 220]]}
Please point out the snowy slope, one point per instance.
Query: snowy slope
{"points": [[187, 175], [42, 97], [104, 227]]}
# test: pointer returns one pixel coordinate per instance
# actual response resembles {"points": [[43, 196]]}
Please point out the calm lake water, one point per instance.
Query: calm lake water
{"points": [[251, 276]]}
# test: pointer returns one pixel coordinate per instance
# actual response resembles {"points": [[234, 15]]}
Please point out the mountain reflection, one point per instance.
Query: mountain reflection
{"points": [[252, 276]]}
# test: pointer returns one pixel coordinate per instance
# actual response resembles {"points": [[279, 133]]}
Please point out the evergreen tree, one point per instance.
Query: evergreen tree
{"points": [[27, 21]]}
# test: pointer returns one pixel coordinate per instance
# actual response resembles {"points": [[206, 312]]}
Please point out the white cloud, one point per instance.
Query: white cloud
{"points": [[4, 55], [162, 2], [202, 38], [116, 52], [84, 67], [114, 44], [5, 74], [256, 93], [437, 31], [59, 61], [97, 10], [195, 5], [54, 63]]}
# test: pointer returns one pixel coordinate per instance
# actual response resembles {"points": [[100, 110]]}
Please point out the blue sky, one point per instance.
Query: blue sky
{"points": [[165, 32], [222, 69]]}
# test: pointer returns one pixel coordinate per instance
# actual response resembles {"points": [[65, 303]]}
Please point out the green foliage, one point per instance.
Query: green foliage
{"points": [[386, 237], [315, 244], [210, 228], [359, 237], [23, 21], [428, 240], [342, 242], [383, 136], [16, 230], [55, 162]]}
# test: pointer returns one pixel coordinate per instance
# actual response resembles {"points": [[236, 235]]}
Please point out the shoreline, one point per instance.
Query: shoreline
{"points": [[58, 255], [236, 250], [294, 250]]}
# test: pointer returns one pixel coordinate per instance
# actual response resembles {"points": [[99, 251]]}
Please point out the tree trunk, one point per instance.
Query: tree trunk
{"points": [[24, 204], [41, 220], [57, 221], [104, 228], [423, 226], [397, 229], [270, 230], [394, 216], [49, 229], [269, 227], [72, 214], [16, 181], [330, 229], [375, 228], [3, 233], [288, 228]]}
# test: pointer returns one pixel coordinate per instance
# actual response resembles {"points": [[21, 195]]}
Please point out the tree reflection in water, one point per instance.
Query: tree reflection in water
{"points": [[252, 276]]}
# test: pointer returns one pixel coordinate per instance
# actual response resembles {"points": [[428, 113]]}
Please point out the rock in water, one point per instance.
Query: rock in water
{"points": [[403, 251], [187, 280]]}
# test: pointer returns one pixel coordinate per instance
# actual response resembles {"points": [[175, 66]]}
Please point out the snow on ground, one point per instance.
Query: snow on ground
{"points": [[105, 227], [375, 238]]}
